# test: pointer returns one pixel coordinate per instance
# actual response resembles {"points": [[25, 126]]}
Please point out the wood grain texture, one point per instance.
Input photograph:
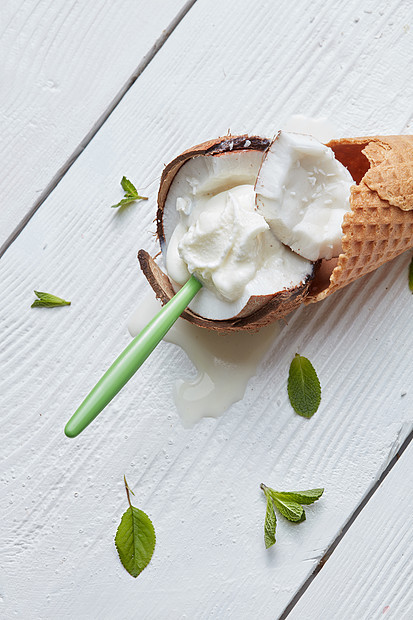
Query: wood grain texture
{"points": [[249, 68], [370, 574], [62, 65]]}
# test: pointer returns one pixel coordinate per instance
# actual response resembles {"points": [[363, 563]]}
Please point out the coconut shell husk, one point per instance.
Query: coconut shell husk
{"points": [[379, 226], [260, 310], [212, 147]]}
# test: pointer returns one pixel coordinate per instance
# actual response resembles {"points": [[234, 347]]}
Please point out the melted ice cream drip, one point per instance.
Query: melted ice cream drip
{"points": [[224, 363]]}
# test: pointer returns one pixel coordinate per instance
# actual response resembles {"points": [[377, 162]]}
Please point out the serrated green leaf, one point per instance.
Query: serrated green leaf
{"points": [[304, 389], [289, 509], [129, 187], [301, 497], [270, 524], [135, 540], [303, 517], [123, 202], [411, 275], [46, 300], [131, 194]]}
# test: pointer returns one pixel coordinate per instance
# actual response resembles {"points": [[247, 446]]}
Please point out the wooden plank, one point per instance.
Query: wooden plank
{"points": [[249, 68], [370, 574], [64, 63]]}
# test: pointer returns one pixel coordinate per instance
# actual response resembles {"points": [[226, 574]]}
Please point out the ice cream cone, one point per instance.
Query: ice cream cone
{"points": [[379, 226]]}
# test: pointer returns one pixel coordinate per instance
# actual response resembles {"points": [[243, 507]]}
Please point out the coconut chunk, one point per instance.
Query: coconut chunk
{"points": [[303, 193]]}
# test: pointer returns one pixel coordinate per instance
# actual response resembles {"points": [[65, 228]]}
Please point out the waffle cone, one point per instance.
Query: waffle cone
{"points": [[379, 226]]}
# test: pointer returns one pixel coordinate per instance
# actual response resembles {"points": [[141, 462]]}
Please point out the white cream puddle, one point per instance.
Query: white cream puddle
{"points": [[224, 363]]}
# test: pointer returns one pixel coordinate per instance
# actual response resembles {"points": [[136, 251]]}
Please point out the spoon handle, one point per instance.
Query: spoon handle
{"points": [[132, 358]]}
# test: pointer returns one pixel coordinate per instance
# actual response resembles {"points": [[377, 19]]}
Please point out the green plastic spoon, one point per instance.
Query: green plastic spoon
{"points": [[132, 358]]}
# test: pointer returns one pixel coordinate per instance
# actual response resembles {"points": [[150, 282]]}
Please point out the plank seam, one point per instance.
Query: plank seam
{"points": [[149, 56], [345, 529]]}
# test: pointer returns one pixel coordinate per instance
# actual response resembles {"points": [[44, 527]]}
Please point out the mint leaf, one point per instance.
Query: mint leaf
{"points": [[124, 202], [301, 497], [270, 524], [304, 389], [135, 538], [288, 504], [270, 519], [411, 275], [289, 509], [46, 300], [131, 194], [129, 187]]}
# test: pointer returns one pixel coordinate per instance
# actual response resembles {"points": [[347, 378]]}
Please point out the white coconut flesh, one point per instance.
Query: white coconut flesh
{"points": [[303, 193], [213, 230]]}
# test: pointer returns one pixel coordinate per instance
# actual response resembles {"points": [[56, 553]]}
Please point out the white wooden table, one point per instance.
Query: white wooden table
{"points": [[94, 90]]}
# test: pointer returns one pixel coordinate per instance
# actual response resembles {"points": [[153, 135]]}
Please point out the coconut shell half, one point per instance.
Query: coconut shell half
{"points": [[260, 310]]}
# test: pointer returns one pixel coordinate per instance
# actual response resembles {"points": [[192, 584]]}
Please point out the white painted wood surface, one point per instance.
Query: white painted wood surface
{"points": [[62, 64], [249, 68], [370, 573]]}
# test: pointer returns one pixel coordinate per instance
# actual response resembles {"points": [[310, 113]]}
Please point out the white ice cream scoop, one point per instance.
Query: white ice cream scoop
{"points": [[303, 193]]}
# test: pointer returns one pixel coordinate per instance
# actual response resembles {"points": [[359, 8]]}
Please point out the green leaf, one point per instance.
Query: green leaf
{"points": [[135, 540], [303, 517], [411, 275], [289, 509], [131, 194], [288, 504], [123, 202], [46, 300], [301, 497], [304, 389], [270, 524], [129, 187]]}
